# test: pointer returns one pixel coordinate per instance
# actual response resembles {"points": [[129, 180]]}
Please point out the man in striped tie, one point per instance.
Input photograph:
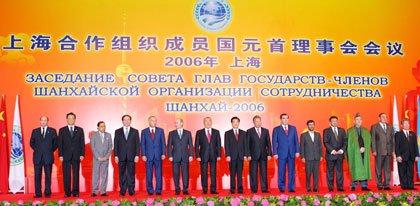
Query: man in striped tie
{"points": [[208, 152]]}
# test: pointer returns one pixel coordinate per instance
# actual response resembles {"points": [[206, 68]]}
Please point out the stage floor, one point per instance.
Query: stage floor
{"points": [[196, 193]]}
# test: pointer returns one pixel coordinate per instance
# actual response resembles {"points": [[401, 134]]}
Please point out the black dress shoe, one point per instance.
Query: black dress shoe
{"points": [[131, 194], [67, 195], [387, 188], [253, 191], [365, 189], [341, 190], [204, 192], [231, 192], [412, 188], [330, 190], [93, 195], [75, 195], [37, 196], [281, 190], [186, 193], [122, 194], [380, 188], [315, 190], [104, 195], [292, 191], [150, 193], [241, 192], [265, 191], [214, 192], [177, 192], [353, 189], [309, 190], [159, 193], [47, 196]]}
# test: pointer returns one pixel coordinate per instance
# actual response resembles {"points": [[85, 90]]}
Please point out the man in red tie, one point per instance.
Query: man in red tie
{"points": [[153, 150], [407, 152], [259, 151], [208, 151], [236, 151]]}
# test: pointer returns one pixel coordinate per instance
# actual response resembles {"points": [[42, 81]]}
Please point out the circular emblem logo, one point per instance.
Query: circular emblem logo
{"points": [[212, 15]]}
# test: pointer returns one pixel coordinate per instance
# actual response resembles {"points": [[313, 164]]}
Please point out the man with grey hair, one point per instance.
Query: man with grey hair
{"points": [[407, 152], [101, 145]]}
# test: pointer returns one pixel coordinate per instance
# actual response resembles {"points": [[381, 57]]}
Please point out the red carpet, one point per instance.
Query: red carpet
{"points": [[169, 194]]}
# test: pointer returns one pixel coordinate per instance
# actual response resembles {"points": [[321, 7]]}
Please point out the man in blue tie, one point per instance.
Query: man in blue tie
{"points": [[285, 149], [153, 150]]}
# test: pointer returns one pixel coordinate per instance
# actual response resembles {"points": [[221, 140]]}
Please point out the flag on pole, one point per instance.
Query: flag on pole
{"points": [[396, 125], [17, 164], [4, 154]]}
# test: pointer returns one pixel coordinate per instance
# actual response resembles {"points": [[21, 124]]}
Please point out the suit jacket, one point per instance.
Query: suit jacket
{"points": [[180, 149], [208, 152], [405, 149], [101, 149], [126, 150], [44, 147], [151, 148], [259, 148], [382, 141], [235, 149], [311, 150], [331, 143], [285, 145], [71, 147]]}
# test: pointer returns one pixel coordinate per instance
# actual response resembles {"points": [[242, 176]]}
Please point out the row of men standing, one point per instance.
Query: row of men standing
{"points": [[253, 144]]}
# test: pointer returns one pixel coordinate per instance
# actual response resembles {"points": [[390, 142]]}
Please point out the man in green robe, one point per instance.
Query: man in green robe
{"points": [[358, 154]]}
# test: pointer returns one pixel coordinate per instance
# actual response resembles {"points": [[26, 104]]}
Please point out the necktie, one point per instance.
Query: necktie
{"points": [[287, 131], [236, 135], [384, 127], [208, 135], [180, 134], [103, 138], [71, 131], [336, 133], [126, 133], [153, 134], [408, 135], [43, 132], [259, 133]]}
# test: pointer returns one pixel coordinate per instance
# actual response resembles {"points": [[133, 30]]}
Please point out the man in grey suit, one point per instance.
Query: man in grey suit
{"points": [[383, 142], [312, 153], [101, 145]]}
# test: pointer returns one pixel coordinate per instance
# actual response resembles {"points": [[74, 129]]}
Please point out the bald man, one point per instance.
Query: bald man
{"points": [[44, 143]]}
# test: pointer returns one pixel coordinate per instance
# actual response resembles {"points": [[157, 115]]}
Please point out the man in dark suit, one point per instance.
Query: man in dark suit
{"points": [[286, 149], [208, 152], [126, 152], [407, 152], [153, 150], [383, 149], [71, 150], [335, 142], [44, 143], [180, 153], [259, 152], [235, 151], [312, 153]]}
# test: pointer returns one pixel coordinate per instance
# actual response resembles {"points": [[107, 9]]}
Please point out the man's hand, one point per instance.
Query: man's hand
{"points": [[116, 160], [144, 158], [303, 160], [334, 152], [81, 158], [245, 158], [417, 159], [374, 154], [218, 158], [269, 157], [276, 157], [340, 151], [136, 159], [171, 159], [228, 158], [320, 159], [199, 159], [249, 158], [362, 150], [61, 159], [297, 155], [393, 153], [190, 159], [163, 157], [399, 159]]}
